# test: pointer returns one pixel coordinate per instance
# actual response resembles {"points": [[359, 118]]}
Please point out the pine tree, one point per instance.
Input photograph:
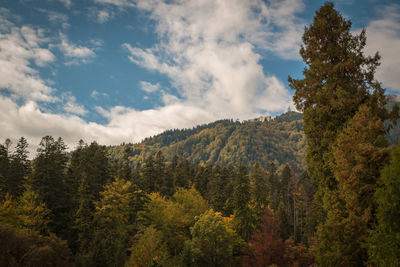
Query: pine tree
{"points": [[4, 170], [244, 220], [217, 189], [148, 175], [259, 188], [339, 79], [48, 180], [89, 173], [160, 174], [273, 187], [360, 153], [19, 168], [384, 241]]}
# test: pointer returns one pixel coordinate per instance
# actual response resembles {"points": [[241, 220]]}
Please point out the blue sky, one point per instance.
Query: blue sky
{"points": [[121, 70]]}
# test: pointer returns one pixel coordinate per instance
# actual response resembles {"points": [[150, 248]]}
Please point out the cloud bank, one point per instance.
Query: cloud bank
{"points": [[383, 35], [209, 50]]}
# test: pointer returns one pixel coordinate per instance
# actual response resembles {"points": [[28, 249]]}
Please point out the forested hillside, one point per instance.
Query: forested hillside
{"points": [[279, 140]]}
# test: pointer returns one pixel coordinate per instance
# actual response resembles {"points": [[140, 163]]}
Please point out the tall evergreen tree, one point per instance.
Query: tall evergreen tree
{"points": [[339, 78], [273, 187], [4, 170], [48, 180], [360, 153], [244, 220], [19, 168], [148, 175], [89, 171], [259, 188]]}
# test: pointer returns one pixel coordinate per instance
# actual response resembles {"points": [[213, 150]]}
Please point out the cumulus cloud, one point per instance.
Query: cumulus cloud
{"points": [[125, 124], [71, 106], [214, 62], [75, 54], [21, 48], [31, 122], [210, 51], [149, 87], [383, 35], [96, 94], [103, 16], [100, 15]]}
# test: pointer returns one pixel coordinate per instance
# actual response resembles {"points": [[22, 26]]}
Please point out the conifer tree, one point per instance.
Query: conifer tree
{"points": [[273, 187], [89, 172], [259, 188], [339, 79], [384, 241], [18, 169], [148, 175], [4, 170], [360, 153], [48, 180], [244, 218]]}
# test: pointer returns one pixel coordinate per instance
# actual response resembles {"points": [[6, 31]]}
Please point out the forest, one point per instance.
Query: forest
{"points": [[102, 206]]}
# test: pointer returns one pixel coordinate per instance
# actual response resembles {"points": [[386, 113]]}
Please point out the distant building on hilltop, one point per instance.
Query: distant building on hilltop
{"points": [[264, 118]]}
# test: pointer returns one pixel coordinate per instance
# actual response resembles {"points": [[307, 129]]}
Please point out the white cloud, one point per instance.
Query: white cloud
{"points": [[75, 54], [29, 121], [149, 87], [103, 16], [95, 94], [210, 51], [57, 18], [20, 49], [100, 15], [70, 105], [74, 108], [125, 124], [214, 62], [383, 35], [119, 3], [67, 3]]}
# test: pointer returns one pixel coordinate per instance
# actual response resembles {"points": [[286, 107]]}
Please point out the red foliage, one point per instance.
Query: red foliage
{"points": [[266, 248]]}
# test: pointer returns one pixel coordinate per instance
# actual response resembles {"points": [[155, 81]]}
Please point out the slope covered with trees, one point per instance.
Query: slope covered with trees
{"points": [[279, 140]]}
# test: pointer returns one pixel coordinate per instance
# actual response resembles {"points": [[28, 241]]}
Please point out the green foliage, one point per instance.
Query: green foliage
{"points": [[115, 220], [27, 248], [337, 95], [88, 173], [244, 216], [173, 218], [27, 212], [249, 142], [384, 241], [148, 249], [213, 241], [32, 213], [259, 188], [14, 167], [48, 180]]}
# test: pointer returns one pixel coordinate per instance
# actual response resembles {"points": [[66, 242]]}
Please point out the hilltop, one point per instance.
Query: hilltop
{"points": [[262, 140]]}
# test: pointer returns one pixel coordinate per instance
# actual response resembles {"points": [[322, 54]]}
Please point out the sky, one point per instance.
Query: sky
{"points": [[118, 71]]}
